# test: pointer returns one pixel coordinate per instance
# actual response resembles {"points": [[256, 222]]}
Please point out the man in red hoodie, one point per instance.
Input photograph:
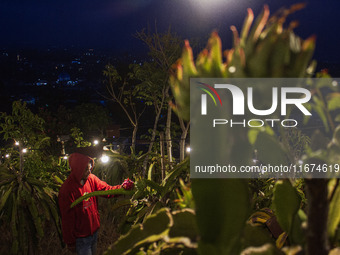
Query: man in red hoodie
{"points": [[80, 223]]}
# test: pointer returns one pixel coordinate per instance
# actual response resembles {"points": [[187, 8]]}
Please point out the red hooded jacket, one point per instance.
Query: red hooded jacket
{"points": [[83, 219]]}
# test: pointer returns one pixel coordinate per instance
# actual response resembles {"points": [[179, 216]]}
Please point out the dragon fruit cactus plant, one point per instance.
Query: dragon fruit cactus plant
{"points": [[263, 49]]}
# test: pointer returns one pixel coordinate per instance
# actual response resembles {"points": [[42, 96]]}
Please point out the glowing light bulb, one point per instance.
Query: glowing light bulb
{"points": [[104, 159], [232, 69]]}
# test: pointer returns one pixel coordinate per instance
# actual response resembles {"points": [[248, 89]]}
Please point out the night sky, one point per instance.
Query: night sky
{"points": [[110, 24]]}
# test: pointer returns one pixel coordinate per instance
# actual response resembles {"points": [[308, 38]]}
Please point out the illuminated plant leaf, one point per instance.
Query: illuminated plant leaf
{"points": [[286, 203], [102, 193], [333, 102]]}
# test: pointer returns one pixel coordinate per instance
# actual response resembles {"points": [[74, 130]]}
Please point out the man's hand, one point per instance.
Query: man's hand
{"points": [[128, 184]]}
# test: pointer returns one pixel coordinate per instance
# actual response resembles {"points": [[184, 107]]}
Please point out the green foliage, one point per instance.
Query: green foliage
{"points": [[164, 48], [295, 143], [334, 213], [23, 126], [286, 203], [91, 118], [151, 195], [256, 236], [118, 167], [120, 191], [154, 228], [333, 149], [219, 223], [222, 208], [270, 150], [59, 122], [28, 180], [26, 203], [78, 138], [262, 192], [266, 49], [184, 194], [153, 76], [121, 88], [151, 88], [324, 102], [161, 233]]}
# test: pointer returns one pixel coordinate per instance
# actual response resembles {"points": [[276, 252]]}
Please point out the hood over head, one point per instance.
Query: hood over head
{"points": [[78, 164]]}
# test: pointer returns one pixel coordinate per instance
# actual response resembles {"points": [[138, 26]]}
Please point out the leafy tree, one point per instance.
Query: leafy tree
{"points": [[122, 91], [164, 48], [23, 127], [28, 179], [91, 118], [153, 90], [78, 138], [57, 123]]}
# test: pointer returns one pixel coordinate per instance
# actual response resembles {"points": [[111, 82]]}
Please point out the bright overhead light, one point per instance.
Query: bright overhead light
{"points": [[104, 159], [24, 150], [211, 7], [95, 142], [188, 149]]}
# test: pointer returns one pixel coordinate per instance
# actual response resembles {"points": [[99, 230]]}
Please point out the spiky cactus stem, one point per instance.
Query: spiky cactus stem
{"points": [[264, 48]]}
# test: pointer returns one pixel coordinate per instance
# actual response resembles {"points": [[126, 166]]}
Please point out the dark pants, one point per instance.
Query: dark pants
{"points": [[87, 245]]}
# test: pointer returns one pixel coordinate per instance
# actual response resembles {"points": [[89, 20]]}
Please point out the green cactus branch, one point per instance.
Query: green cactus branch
{"points": [[103, 193]]}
